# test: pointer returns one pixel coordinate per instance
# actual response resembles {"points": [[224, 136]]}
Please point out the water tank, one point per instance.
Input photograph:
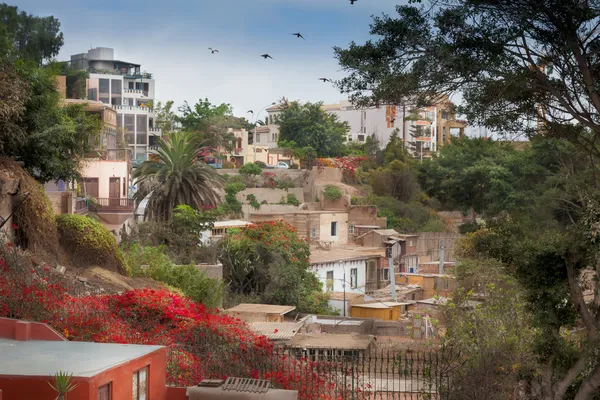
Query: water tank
{"points": [[101, 53]]}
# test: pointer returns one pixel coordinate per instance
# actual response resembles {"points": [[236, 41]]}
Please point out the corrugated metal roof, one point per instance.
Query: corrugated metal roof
{"points": [[277, 330]]}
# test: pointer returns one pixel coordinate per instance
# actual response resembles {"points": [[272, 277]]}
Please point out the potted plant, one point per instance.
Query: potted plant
{"points": [[62, 384]]}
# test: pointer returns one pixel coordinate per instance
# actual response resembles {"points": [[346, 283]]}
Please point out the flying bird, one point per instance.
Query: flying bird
{"points": [[265, 56], [325, 79], [250, 111], [298, 35], [213, 51], [353, 1]]}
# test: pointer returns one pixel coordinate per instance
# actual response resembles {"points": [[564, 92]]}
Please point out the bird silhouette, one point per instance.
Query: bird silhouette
{"points": [[298, 35], [325, 79], [266, 55], [250, 111], [353, 1], [213, 51]]}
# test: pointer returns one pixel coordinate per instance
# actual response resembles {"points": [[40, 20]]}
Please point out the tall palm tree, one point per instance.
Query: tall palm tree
{"points": [[176, 176]]}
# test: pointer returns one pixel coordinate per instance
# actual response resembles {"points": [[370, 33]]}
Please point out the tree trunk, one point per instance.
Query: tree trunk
{"points": [[473, 216], [590, 386]]}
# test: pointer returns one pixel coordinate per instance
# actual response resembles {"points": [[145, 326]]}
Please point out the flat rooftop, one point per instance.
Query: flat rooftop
{"points": [[341, 253], [383, 304], [83, 359], [277, 330], [331, 341], [261, 309]]}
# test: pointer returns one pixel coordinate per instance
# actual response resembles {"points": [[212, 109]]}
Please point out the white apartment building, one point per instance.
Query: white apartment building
{"points": [[130, 91], [437, 123]]}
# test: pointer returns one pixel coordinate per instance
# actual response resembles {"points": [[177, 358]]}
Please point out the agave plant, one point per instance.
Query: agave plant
{"points": [[62, 384], [176, 176]]}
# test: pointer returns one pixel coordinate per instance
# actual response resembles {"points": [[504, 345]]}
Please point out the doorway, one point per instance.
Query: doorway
{"points": [[114, 191]]}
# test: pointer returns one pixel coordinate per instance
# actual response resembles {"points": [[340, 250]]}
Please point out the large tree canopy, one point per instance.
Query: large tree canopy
{"points": [[308, 125], [514, 61], [32, 38]]}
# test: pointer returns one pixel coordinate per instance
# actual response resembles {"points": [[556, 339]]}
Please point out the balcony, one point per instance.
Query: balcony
{"points": [[155, 131], [134, 109], [81, 206], [135, 93], [110, 155], [112, 205], [127, 74]]}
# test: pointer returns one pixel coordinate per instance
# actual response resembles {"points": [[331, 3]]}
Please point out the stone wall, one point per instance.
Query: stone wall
{"points": [[213, 271]]}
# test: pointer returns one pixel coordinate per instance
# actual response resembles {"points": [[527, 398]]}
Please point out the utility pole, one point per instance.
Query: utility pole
{"points": [[391, 269], [344, 285], [442, 256]]}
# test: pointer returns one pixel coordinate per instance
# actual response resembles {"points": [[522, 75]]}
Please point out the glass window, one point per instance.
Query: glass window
{"points": [[330, 281], [141, 129], [116, 90], [104, 87], [104, 392], [314, 233], [354, 278], [93, 94], [130, 85], [334, 228], [140, 384], [129, 127]]}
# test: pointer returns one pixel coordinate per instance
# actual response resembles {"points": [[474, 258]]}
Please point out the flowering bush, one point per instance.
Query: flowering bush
{"points": [[201, 342]]}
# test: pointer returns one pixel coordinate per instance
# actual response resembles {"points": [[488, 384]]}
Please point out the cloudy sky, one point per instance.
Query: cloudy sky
{"points": [[171, 39]]}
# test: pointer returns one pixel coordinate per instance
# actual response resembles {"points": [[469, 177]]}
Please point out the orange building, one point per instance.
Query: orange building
{"points": [[32, 353]]}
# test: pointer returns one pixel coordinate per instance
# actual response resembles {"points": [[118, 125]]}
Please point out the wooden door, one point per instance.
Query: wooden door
{"points": [[114, 191]]}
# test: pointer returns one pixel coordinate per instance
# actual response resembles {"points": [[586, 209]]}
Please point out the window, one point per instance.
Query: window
{"points": [[130, 85], [140, 384], [104, 88], [329, 283], [258, 138], [385, 274], [364, 115], [259, 150], [351, 229], [314, 233], [361, 138], [104, 392], [354, 278], [115, 92], [334, 228], [129, 127], [93, 94], [141, 136], [444, 114]]}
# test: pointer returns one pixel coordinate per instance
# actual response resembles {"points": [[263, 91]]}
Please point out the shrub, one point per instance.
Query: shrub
{"points": [[260, 164], [250, 169], [468, 227], [253, 202], [187, 278], [89, 243], [234, 188], [291, 199], [332, 192], [285, 183]]}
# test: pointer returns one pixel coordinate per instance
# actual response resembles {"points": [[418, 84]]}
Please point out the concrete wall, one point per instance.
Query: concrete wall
{"points": [[63, 202], [429, 243], [365, 215], [342, 227], [211, 271], [341, 268], [270, 195], [329, 174], [104, 170], [340, 204]]}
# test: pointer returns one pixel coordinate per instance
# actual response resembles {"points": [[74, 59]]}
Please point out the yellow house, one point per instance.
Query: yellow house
{"points": [[386, 311], [432, 284]]}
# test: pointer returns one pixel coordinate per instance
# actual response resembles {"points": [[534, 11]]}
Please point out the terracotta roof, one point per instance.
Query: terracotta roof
{"points": [[261, 309], [331, 341]]}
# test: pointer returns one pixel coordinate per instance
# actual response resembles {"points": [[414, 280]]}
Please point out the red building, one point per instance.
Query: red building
{"points": [[32, 353]]}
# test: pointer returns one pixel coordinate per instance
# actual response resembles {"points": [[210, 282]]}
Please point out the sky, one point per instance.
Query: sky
{"points": [[170, 39]]}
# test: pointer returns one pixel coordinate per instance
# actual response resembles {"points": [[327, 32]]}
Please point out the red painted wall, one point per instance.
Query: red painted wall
{"points": [[25, 330], [37, 388], [173, 393]]}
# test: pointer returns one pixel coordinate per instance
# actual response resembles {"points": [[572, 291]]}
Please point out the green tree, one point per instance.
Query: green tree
{"points": [[514, 61], [308, 125], [471, 175], [28, 37], [209, 123], [176, 177], [397, 180], [395, 149], [165, 116]]}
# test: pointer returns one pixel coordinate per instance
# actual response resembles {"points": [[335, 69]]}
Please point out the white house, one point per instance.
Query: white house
{"points": [[130, 91], [342, 275]]}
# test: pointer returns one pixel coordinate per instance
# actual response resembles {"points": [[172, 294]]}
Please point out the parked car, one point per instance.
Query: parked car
{"points": [[281, 165]]}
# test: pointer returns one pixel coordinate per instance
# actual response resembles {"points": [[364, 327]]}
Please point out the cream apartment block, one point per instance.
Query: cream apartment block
{"points": [[122, 85]]}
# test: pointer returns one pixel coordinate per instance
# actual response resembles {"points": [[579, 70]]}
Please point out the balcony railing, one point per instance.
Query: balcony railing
{"points": [[110, 154], [127, 74], [155, 131], [133, 108], [104, 204], [81, 206]]}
